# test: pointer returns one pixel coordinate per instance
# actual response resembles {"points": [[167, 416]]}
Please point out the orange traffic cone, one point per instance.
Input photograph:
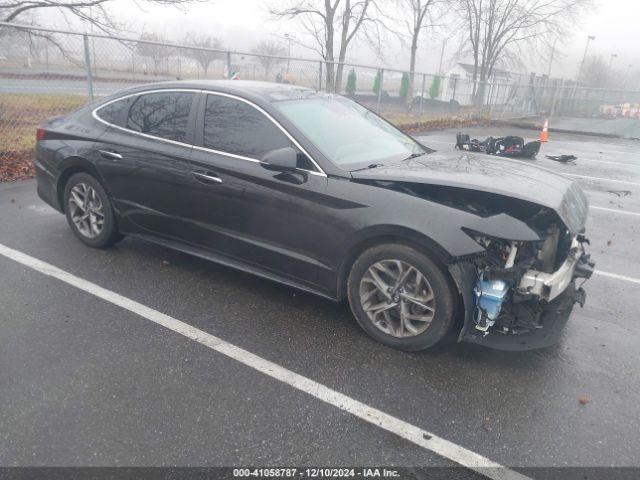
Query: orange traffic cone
{"points": [[544, 134]]}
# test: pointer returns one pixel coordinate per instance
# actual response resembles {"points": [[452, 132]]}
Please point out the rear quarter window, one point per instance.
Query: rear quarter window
{"points": [[115, 113]]}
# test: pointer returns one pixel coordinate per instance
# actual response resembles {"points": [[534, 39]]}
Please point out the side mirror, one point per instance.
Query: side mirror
{"points": [[282, 159]]}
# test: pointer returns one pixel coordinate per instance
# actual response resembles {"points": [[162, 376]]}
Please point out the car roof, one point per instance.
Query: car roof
{"points": [[265, 91]]}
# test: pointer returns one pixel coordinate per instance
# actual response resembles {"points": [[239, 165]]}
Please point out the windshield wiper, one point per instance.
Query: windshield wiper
{"points": [[372, 165]]}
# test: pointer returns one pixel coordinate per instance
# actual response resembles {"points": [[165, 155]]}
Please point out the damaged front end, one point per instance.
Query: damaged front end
{"points": [[518, 295]]}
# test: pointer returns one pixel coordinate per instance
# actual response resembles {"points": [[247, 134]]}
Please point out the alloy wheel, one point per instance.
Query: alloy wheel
{"points": [[397, 298], [86, 209]]}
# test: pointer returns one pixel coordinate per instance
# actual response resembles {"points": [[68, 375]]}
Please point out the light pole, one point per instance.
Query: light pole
{"points": [[444, 43], [613, 55], [288, 37], [584, 57], [626, 76], [553, 52]]}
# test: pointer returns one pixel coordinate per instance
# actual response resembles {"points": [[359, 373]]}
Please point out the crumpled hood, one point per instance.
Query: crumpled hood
{"points": [[498, 175]]}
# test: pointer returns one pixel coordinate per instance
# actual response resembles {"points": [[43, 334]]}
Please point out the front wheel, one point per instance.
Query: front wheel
{"points": [[89, 211], [401, 297]]}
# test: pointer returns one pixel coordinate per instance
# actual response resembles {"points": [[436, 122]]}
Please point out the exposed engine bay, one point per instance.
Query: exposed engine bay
{"points": [[516, 280], [522, 281], [519, 232]]}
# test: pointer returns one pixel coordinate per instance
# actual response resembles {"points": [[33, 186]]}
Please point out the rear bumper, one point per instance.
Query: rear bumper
{"points": [[46, 185]]}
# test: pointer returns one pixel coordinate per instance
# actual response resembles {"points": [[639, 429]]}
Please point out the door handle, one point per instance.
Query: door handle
{"points": [[207, 177], [110, 155]]}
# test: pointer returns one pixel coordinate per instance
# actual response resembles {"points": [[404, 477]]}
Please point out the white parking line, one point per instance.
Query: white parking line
{"points": [[413, 434], [614, 210], [582, 159], [44, 209], [617, 277], [600, 178]]}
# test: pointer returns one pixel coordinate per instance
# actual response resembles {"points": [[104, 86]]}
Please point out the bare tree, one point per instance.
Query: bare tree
{"points": [[416, 18], [273, 50], [328, 22], [595, 73], [150, 46], [203, 57], [92, 11], [494, 29]]}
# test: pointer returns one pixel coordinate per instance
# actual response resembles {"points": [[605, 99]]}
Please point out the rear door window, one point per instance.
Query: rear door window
{"points": [[163, 114]]}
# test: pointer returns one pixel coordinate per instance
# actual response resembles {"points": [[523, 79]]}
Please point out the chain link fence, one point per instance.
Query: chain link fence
{"points": [[45, 73]]}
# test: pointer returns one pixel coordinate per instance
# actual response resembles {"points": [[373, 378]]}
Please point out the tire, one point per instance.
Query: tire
{"points": [[94, 231], [426, 304]]}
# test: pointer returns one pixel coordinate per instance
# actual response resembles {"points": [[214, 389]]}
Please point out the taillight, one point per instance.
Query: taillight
{"points": [[40, 134]]}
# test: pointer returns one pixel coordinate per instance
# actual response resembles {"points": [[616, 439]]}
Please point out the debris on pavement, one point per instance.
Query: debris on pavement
{"points": [[620, 193], [509, 146], [562, 158], [583, 400]]}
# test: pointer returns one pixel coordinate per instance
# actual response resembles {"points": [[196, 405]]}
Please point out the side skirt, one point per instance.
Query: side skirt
{"points": [[233, 263]]}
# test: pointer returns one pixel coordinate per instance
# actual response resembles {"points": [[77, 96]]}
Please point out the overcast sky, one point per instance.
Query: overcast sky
{"points": [[240, 24]]}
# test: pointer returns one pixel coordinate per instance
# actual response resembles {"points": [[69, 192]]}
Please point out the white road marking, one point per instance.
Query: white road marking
{"points": [[600, 178], [42, 209], [405, 430], [617, 277], [582, 159], [614, 210]]}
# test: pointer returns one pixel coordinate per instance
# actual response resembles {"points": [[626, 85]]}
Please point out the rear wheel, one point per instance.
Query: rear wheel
{"points": [[401, 297], [89, 212]]}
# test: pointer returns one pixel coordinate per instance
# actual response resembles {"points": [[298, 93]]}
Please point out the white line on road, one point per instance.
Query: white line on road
{"points": [[608, 162], [413, 434], [614, 210], [44, 209], [600, 178], [617, 277]]}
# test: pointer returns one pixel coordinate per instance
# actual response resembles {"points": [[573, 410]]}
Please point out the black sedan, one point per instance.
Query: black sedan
{"points": [[319, 193]]}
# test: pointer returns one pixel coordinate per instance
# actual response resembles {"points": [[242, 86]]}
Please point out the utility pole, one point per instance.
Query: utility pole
{"points": [[613, 55]]}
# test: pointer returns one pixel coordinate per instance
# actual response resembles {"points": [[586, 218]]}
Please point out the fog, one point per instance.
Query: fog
{"points": [[242, 24]]}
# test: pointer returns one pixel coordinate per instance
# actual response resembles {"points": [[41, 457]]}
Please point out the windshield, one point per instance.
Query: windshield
{"points": [[347, 133]]}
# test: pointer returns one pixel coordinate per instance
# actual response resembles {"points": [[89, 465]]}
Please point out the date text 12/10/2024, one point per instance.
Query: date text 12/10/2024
{"points": [[319, 472]]}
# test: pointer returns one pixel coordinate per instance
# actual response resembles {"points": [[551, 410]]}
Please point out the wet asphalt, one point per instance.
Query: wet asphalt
{"points": [[84, 382]]}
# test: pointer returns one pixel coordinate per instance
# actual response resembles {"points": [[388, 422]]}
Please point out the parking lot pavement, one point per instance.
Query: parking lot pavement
{"points": [[609, 172], [87, 382]]}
